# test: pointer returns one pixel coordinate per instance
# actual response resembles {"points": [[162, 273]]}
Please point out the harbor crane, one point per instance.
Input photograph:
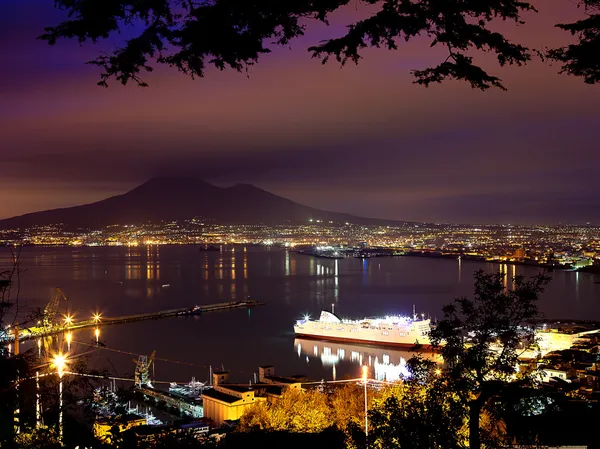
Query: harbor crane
{"points": [[142, 370], [52, 307]]}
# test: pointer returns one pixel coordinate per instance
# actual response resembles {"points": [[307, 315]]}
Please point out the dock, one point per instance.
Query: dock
{"points": [[36, 332], [185, 405]]}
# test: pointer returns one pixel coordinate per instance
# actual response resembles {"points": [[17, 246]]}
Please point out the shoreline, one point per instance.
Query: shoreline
{"points": [[590, 269]]}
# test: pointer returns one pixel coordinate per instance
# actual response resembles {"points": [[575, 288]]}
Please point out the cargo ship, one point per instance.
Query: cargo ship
{"points": [[395, 331]]}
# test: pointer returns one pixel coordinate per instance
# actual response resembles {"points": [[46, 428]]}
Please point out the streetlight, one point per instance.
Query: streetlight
{"points": [[97, 318], [365, 373], [68, 320], [59, 361]]}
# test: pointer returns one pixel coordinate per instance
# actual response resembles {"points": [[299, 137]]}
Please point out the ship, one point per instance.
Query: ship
{"points": [[393, 331], [209, 248], [191, 390]]}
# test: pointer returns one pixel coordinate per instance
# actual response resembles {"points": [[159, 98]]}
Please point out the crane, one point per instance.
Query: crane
{"points": [[142, 370], [52, 307]]}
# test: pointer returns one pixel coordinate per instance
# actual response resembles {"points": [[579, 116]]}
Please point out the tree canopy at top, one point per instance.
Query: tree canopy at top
{"points": [[191, 34]]}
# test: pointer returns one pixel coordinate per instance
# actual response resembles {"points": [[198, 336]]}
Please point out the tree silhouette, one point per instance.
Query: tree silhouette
{"points": [[191, 34], [583, 58], [481, 339]]}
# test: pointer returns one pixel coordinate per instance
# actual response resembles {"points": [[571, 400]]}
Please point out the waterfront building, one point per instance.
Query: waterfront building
{"points": [[104, 425], [228, 401]]}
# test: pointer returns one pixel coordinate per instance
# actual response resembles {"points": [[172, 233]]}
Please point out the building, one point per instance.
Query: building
{"points": [[103, 426], [228, 402], [551, 375]]}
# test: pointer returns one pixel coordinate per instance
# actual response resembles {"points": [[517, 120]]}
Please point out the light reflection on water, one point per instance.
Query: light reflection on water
{"points": [[385, 364], [123, 281]]}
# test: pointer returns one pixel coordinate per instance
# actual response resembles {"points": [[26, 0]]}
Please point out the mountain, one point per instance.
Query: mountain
{"points": [[168, 199]]}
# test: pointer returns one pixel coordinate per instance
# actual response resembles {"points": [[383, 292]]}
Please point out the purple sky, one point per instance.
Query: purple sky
{"points": [[362, 139]]}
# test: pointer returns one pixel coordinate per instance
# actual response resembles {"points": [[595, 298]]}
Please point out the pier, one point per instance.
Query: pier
{"points": [[184, 405], [35, 332]]}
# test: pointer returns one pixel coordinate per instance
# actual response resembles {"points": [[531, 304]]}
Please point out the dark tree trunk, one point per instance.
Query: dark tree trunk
{"points": [[474, 415]]}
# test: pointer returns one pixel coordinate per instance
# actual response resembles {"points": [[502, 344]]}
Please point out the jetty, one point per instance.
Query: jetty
{"points": [[36, 332]]}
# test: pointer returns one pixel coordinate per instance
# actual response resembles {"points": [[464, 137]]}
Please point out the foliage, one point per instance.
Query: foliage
{"points": [[296, 411], [348, 406], [191, 34], [417, 416], [10, 285], [480, 340], [182, 441], [11, 367], [582, 58], [40, 438]]}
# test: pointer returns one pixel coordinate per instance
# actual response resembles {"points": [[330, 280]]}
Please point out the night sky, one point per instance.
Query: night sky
{"points": [[361, 139]]}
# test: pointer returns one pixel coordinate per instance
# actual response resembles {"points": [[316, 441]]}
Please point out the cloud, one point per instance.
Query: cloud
{"points": [[362, 139]]}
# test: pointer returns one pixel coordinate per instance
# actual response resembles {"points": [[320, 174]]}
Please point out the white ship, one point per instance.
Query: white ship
{"points": [[386, 331]]}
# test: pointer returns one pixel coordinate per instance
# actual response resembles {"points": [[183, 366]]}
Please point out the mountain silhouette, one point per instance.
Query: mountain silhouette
{"points": [[169, 199]]}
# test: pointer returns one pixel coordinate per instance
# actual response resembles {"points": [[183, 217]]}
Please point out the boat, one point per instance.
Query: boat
{"points": [[394, 331], [191, 390], [209, 248]]}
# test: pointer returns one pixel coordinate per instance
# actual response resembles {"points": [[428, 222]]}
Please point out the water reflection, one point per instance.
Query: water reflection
{"points": [[133, 266], [336, 287], [387, 364], [108, 280]]}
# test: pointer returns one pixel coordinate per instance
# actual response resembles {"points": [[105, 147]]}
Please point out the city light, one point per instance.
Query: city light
{"points": [[59, 362], [97, 317], [438, 372], [560, 246], [68, 320]]}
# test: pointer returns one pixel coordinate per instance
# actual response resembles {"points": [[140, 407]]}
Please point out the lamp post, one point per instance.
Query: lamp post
{"points": [[97, 317], [60, 361], [365, 373]]}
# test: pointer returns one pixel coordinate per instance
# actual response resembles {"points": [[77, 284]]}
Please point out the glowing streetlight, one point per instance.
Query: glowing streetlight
{"points": [[59, 361], [365, 374], [438, 372], [68, 320], [97, 318]]}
